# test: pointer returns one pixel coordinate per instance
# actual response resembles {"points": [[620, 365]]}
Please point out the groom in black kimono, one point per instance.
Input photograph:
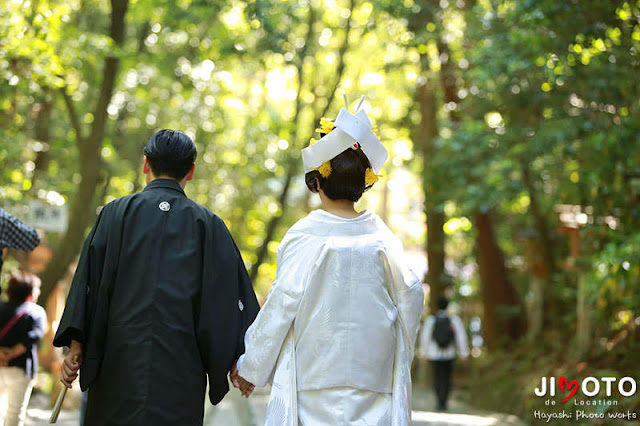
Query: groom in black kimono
{"points": [[160, 300]]}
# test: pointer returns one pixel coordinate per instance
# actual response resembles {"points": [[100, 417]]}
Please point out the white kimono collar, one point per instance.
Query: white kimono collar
{"points": [[322, 223]]}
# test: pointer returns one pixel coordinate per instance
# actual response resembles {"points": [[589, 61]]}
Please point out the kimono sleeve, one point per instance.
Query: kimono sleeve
{"points": [[226, 308], [73, 324], [266, 335], [248, 302], [409, 291]]}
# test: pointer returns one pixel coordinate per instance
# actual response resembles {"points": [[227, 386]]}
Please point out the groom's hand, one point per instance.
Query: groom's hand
{"points": [[233, 375], [71, 364], [246, 388]]}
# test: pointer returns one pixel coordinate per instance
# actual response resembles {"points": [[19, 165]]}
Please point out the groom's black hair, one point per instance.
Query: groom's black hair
{"points": [[170, 153]]}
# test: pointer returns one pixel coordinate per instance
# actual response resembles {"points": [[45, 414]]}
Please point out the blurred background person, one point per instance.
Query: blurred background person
{"points": [[22, 325], [442, 340]]}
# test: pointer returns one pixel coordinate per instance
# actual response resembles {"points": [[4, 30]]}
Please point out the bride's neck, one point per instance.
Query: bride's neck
{"points": [[342, 208]]}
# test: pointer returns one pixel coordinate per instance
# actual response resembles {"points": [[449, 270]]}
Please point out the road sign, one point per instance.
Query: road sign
{"points": [[47, 217]]}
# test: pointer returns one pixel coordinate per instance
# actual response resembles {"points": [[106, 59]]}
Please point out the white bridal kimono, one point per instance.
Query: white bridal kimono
{"points": [[337, 333]]}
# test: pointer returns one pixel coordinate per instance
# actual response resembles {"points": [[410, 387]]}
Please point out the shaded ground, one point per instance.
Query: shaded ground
{"points": [[39, 412], [458, 414], [237, 411]]}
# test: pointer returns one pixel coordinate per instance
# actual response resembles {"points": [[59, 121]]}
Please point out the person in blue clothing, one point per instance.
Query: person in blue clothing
{"points": [[22, 325]]}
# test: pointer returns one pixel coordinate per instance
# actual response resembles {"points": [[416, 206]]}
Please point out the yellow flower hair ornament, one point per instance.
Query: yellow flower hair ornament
{"points": [[370, 177], [324, 169], [326, 125]]}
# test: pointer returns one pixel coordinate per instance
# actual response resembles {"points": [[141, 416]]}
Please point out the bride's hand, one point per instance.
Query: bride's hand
{"points": [[246, 387]]}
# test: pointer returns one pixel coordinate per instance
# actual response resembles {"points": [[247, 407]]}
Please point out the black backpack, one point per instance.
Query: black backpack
{"points": [[443, 331]]}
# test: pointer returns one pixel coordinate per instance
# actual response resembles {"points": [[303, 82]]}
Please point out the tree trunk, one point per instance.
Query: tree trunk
{"points": [[583, 313], [547, 268], [535, 293], [272, 226], [503, 319], [435, 219], [434, 197], [384, 202], [84, 202], [42, 133]]}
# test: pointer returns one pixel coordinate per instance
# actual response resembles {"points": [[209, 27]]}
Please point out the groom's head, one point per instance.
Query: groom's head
{"points": [[170, 153]]}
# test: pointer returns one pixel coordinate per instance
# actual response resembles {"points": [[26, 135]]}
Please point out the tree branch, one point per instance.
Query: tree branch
{"points": [[118, 11], [73, 114], [83, 203], [293, 162], [290, 163]]}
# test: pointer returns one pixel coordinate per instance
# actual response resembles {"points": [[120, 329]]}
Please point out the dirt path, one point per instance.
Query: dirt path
{"points": [[237, 411], [458, 414]]}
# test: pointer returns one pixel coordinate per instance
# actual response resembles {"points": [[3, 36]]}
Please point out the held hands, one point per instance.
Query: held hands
{"points": [[5, 356], [246, 388], [71, 364]]}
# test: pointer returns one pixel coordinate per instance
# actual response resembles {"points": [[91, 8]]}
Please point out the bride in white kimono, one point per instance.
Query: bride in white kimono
{"points": [[337, 332]]}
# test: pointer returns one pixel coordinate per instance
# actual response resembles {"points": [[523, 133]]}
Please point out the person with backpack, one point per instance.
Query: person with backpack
{"points": [[22, 326], [443, 339]]}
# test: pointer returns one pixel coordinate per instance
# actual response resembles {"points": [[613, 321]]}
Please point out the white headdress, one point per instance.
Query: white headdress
{"points": [[349, 131]]}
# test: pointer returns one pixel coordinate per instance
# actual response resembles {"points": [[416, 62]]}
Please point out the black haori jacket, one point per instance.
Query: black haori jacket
{"points": [[160, 300]]}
